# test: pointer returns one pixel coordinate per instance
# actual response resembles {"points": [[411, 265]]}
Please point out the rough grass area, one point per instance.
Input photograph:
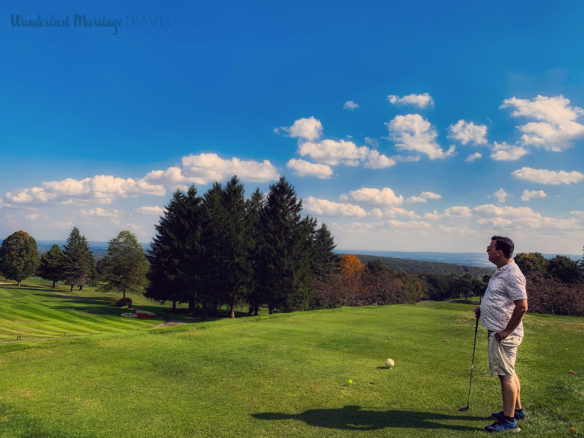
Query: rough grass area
{"points": [[280, 375]]}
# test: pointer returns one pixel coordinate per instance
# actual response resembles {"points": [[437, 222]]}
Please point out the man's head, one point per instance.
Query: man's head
{"points": [[500, 250]]}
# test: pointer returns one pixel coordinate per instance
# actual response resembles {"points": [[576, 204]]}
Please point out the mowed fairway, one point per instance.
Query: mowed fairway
{"points": [[280, 375]]}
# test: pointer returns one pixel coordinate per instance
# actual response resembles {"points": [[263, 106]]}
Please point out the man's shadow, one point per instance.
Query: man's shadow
{"points": [[355, 418]]}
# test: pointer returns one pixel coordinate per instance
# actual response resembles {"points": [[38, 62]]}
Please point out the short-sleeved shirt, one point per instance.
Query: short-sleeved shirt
{"points": [[505, 286]]}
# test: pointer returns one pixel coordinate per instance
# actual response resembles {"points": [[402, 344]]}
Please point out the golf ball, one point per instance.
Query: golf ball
{"points": [[350, 381], [390, 363]]}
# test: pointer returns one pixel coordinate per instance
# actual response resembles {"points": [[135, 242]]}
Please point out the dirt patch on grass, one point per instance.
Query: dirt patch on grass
{"points": [[169, 323]]}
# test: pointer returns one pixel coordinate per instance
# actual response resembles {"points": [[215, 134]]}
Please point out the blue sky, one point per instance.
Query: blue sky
{"points": [[421, 126]]}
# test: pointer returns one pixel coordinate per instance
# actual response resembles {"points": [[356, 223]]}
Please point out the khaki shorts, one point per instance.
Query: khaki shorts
{"points": [[502, 355]]}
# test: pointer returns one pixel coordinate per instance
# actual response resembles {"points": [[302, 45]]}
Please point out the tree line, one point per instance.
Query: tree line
{"points": [[221, 249]]}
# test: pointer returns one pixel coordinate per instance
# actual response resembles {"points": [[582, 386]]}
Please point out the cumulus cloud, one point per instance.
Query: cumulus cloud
{"points": [[323, 207], [473, 157], [350, 105], [113, 215], [507, 152], [153, 210], [556, 127], [419, 100], [551, 177], [100, 188], [507, 215], [413, 133], [308, 128], [531, 194], [305, 168], [335, 152], [32, 217], [460, 211], [373, 196], [103, 189], [467, 132], [207, 168], [501, 195], [423, 197]]}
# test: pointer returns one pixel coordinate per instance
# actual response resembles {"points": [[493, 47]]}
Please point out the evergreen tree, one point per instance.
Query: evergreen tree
{"points": [[284, 269], [77, 260], [19, 256], [51, 267], [176, 252], [254, 206], [125, 264], [324, 259], [235, 260]]}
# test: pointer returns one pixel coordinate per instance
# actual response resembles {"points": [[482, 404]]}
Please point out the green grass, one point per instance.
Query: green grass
{"points": [[279, 375]]}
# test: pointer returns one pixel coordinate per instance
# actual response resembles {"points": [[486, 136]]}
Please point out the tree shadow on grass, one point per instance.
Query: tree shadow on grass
{"points": [[355, 418]]}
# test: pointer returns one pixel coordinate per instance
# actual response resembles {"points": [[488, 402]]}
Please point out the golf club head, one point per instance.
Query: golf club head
{"points": [[464, 409]]}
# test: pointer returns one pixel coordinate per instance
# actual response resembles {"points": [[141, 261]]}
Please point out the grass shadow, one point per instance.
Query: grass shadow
{"points": [[356, 418]]}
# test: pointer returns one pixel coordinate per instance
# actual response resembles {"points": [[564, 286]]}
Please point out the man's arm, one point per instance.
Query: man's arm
{"points": [[516, 317]]}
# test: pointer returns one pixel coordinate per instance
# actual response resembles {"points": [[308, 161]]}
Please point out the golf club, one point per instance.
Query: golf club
{"points": [[472, 363]]}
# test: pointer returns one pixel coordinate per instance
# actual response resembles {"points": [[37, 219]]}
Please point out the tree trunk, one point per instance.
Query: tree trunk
{"points": [[80, 287], [173, 306], [54, 281], [124, 293], [232, 312], [191, 307], [71, 288], [18, 283]]}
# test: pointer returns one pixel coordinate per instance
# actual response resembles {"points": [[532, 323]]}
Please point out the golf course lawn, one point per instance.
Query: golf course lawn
{"points": [[81, 370]]}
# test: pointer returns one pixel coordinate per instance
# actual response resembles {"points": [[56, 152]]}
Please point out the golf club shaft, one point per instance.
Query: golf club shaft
{"points": [[473, 356]]}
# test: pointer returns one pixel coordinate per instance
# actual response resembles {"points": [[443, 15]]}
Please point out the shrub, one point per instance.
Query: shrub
{"points": [[547, 295]]}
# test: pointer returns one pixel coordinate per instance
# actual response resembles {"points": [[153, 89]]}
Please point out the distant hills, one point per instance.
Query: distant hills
{"points": [[460, 263]]}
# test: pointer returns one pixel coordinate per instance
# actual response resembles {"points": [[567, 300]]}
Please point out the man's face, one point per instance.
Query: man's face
{"points": [[494, 254]]}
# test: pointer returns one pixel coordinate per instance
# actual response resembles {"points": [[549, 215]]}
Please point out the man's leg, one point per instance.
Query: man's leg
{"points": [[510, 391], [518, 386]]}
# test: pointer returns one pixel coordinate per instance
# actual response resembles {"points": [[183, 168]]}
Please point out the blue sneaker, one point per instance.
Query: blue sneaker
{"points": [[519, 415], [503, 426]]}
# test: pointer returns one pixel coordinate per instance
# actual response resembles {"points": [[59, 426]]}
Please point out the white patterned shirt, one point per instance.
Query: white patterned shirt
{"points": [[505, 286]]}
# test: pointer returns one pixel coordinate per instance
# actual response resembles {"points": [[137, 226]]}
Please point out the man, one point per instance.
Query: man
{"points": [[501, 313]]}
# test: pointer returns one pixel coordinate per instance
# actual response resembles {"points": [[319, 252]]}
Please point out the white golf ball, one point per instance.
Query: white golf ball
{"points": [[390, 363]]}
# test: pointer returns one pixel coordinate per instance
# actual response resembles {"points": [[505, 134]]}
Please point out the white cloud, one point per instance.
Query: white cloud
{"points": [[507, 152], [32, 216], [578, 214], [100, 188], [373, 196], [531, 194], [409, 224], [551, 177], [335, 152], [207, 168], [473, 157], [467, 132], [460, 211], [501, 195], [151, 210], [423, 198], [113, 215], [307, 129], [556, 128], [419, 100], [520, 216], [413, 133], [350, 105], [305, 168], [324, 207]]}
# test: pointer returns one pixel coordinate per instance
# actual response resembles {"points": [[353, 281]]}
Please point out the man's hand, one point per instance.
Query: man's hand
{"points": [[477, 312], [499, 336]]}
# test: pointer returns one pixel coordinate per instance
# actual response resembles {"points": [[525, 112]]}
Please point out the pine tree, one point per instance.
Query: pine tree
{"points": [[77, 259], [176, 252], [51, 267], [324, 259], [125, 264], [19, 256], [254, 206], [284, 276]]}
